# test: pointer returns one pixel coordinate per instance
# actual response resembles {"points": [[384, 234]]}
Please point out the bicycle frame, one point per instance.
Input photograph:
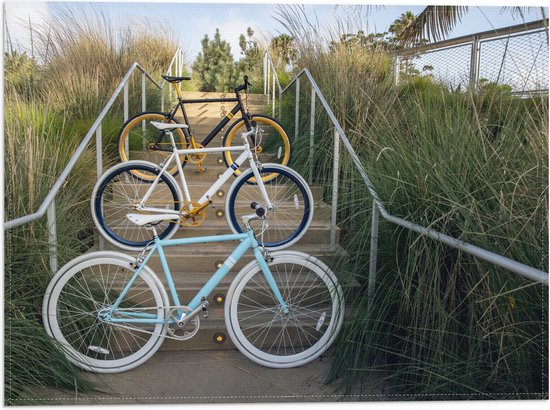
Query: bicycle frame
{"points": [[205, 199], [223, 122], [248, 241]]}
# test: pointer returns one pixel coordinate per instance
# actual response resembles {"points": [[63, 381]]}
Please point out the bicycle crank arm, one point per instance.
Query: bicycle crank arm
{"points": [[202, 308]]}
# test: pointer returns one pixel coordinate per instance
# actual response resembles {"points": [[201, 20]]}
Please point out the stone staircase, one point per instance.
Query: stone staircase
{"points": [[192, 265]]}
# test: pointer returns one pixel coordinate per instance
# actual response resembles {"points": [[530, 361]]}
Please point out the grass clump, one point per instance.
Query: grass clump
{"points": [[50, 103], [473, 165]]}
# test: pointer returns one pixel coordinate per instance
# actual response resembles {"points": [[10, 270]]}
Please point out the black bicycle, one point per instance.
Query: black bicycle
{"points": [[138, 139]]}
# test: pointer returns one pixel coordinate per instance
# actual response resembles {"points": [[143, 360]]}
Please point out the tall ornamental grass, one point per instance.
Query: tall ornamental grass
{"points": [[50, 103], [473, 165]]}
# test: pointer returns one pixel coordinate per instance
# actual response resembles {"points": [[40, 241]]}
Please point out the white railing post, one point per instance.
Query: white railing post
{"points": [[397, 68], [99, 166], [335, 180], [297, 110], [52, 236], [143, 101], [264, 67], [170, 86], [311, 134], [99, 151], [126, 143], [373, 251], [125, 102], [474, 63], [273, 101], [267, 78]]}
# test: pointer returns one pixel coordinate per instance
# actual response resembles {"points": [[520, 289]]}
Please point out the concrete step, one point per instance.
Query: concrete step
{"points": [[198, 184], [318, 233], [217, 110], [205, 258], [252, 98]]}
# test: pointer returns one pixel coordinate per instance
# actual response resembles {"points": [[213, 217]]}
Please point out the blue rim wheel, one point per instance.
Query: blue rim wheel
{"points": [[290, 196], [116, 195]]}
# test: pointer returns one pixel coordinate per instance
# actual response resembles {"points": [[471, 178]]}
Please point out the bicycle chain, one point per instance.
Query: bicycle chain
{"points": [[166, 336]]}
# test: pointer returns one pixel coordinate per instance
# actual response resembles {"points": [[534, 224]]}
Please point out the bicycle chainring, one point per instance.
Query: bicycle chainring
{"points": [[197, 158], [186, 331], [191, 221]]}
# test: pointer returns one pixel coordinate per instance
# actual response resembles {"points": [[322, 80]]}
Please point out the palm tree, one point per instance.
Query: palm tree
{"points": [[436, 22], [284, 48]]}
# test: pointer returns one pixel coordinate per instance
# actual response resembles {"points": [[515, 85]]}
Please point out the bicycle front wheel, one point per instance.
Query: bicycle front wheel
{"points": [[292, 205], [259, 328], [271, 142], [79, 295], [119, 192], [139, 140]]}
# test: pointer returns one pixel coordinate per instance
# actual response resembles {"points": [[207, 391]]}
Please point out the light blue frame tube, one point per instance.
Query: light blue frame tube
{"points": [[247, 241]]}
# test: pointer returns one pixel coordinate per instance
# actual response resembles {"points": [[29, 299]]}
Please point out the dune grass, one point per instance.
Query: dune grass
{"points": [[441, 324], [50, 103]]}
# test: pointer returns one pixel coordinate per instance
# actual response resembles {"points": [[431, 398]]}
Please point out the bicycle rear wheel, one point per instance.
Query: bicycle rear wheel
{"points": [[117, 194], [86, 287], [271, 144], [139, 140], [262, 332]]}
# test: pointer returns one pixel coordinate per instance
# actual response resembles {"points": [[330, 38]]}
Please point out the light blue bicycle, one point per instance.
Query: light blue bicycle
{"points": [[109, 312]]}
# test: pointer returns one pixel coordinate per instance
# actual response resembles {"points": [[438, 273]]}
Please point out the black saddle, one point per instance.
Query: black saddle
{"points": [[171, 79]]}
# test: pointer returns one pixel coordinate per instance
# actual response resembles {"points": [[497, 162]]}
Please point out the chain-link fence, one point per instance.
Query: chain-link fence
{"points": [[514, 58]]}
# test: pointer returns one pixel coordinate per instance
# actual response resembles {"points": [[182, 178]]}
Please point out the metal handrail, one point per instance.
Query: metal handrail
{"points": [[48, 204], [378, 206], [269, 67]]}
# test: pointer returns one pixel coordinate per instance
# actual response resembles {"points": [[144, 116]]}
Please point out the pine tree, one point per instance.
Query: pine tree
{"points": [[214, 66]]}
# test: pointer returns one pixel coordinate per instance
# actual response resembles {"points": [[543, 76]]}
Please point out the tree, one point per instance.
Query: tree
{"points": [[401, 25], [436, 22], [252, 55], [284, 49], [214, 66]]}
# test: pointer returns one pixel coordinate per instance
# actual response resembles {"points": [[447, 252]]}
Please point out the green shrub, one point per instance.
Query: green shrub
{"points": [[441, 324]]}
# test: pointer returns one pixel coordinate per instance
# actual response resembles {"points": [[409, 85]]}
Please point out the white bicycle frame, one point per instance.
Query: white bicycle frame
{"points": [[176, 153]]}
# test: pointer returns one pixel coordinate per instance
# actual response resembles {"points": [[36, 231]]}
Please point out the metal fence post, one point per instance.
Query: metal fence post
{"points": [[335, 180], [99, 166], [169, 85], [273, 101], [99, 151], [397, 68], [311, 134], [373, 250], [264, 62], [126, 143], [143, 102], [297, 109], [280, 105], [267, 78], [52, 236], [474, 63]]}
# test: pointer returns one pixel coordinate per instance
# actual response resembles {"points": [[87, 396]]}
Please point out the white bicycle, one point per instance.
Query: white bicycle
{"points": [[145, 188]]}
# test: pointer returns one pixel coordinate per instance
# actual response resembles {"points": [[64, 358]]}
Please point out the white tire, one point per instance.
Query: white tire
{"points": [[259, 329], [126, 190], [84, 287]]}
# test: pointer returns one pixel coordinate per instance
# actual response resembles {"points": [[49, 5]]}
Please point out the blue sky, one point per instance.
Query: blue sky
{"points": [[190, 21]]}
